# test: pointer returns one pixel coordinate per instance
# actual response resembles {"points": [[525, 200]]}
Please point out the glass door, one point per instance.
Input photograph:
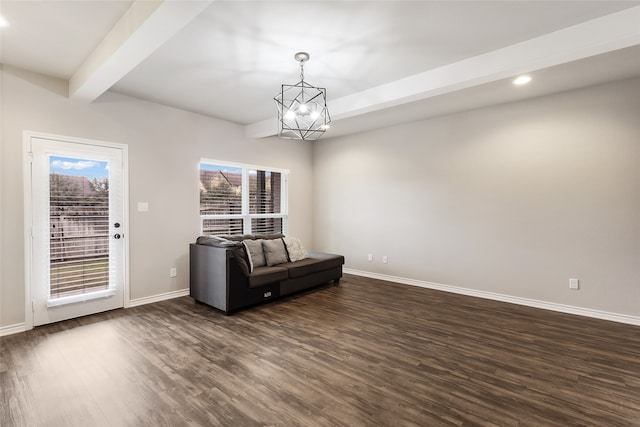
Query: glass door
{"points": [[78, 233]]}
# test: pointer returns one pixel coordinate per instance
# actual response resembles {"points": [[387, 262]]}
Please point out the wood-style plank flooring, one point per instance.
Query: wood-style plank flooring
{"points": [[362, 353]]}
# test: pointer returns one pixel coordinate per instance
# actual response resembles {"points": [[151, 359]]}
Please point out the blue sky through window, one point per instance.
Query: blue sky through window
{"points": [[230, 169], [79, 167]]}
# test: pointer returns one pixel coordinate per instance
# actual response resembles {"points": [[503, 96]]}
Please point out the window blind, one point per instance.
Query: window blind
{"points": [[236, 199], [264, 192], [79, 235]]}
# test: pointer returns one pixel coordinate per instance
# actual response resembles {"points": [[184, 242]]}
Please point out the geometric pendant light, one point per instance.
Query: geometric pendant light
{"points": [[302, 108]]}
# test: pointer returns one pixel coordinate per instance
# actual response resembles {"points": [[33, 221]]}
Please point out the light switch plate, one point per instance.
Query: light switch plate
{"points": [[574, 284]]}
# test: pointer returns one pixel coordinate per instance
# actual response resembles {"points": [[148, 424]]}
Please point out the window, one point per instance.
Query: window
{"points": [[78, 227], [242, 199]]}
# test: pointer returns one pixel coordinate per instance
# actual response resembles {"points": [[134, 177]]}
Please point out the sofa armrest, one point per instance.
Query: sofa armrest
{"points": [[209, 274]]}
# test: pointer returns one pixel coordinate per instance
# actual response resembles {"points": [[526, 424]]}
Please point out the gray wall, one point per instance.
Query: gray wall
{"points": [[512, 199], [165, 145]]}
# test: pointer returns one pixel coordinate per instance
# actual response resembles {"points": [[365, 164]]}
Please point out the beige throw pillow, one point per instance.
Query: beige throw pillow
{"points": [[274, 252], [295, 249], [255, 255]]}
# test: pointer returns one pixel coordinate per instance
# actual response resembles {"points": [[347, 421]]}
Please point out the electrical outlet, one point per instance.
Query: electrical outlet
{"points": [[574, 284], [173, 272], [385, 259], [370, 257]]}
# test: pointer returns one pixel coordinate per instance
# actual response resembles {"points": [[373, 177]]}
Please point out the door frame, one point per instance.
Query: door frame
{"points": [[28, 213]]}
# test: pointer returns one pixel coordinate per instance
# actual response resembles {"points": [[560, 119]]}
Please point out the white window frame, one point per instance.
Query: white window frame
{"points": [[245, 216]]}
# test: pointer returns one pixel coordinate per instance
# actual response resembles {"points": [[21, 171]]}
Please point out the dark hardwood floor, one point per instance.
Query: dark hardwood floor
{"points": [[362, 353]]}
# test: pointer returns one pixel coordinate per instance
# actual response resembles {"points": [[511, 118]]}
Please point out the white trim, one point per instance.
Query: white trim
{"points": [[284, 205], [87, 141], [58, 302], [240, 216], [562, 308], [125, 220], [28, 228], [157, 298], [12, 329], [238, 165], [27, 137], [246, 190]]}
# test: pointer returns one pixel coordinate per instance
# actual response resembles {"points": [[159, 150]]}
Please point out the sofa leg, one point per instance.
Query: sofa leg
{"points": [[336, 281]]}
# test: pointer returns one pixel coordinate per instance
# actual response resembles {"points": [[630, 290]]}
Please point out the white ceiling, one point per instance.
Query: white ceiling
{"points": [[54, 38], [382, 62]]}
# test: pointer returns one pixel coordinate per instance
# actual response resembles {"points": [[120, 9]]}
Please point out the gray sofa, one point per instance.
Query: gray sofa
{"points": [[221, 273]]}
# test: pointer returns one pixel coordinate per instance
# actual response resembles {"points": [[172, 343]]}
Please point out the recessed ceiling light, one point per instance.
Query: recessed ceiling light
{"points": [[3, 22], [522, 80]]}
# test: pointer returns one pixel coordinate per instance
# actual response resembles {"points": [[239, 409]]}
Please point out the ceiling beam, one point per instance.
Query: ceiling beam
{"points": [[611, 32], [145, 27]]}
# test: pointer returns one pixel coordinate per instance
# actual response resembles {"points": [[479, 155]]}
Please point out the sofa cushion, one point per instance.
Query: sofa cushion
{"points": [[265, 275], [268, 236], [238, 237], [241, 258], [317, 261], [274, 252], [217, 241], [295, 249], [255, 254]]}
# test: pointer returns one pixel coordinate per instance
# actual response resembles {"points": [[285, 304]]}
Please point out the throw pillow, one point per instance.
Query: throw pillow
{"points": [[274, 252], [295, 249], [255, 255]]}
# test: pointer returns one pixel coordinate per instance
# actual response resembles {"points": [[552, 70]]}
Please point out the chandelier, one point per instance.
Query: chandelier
{"points": [[302, 108]]}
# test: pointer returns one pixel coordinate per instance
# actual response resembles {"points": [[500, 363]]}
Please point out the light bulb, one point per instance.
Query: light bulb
{"points": [[315, 115], [290, 115], [522, 80], [303, 108]]}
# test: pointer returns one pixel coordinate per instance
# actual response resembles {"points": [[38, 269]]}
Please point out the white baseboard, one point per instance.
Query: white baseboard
{"points": [[156, 298], [587, 312], [12, 329]]}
